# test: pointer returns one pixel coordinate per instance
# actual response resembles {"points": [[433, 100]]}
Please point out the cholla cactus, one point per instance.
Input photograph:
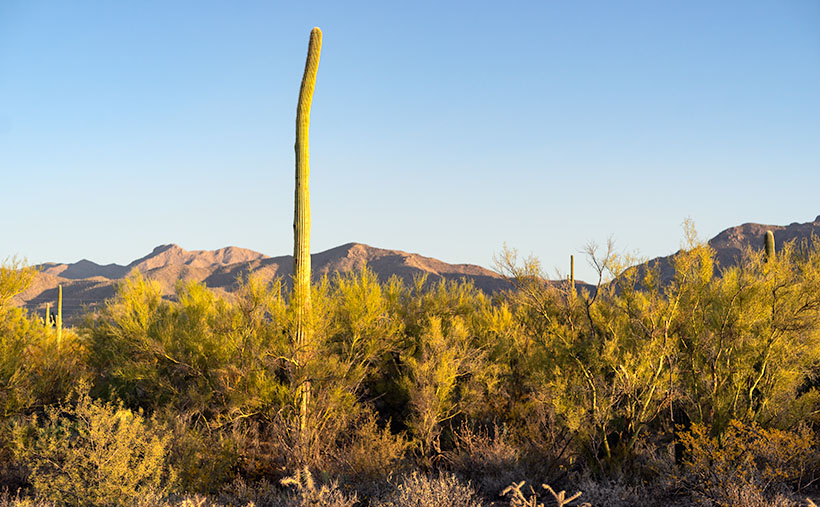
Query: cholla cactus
{"points": [[561, 497], [519, 499], [301, 480]]}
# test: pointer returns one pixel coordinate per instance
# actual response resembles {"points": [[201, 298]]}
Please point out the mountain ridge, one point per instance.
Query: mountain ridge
{"points": [[87, 284], [730, 243]]}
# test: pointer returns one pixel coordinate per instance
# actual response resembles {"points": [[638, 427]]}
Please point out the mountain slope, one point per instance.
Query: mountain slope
{"points": [[730, 243], [87, 284]]}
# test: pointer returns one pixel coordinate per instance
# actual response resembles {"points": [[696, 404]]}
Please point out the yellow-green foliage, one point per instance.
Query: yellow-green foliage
{"points": [[597, 363], [205, 356], [750, 337], [94, 453], [608, 365], [439, 377], [218, 362], [747, 457], [203, 459], [34, 369], [32, 373], [15, 277], [370, 453], [587, 380]]}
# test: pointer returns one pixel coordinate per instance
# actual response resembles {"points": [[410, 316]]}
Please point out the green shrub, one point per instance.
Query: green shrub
{"points": [[438, 378], [203, 460], [94, 453]]}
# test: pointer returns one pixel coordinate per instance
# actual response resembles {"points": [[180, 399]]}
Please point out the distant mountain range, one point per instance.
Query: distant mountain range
{"points": [[87, 284], [730, 243]]}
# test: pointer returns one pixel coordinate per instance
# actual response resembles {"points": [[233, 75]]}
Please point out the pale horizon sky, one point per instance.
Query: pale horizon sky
{"points": [[442, 128]]}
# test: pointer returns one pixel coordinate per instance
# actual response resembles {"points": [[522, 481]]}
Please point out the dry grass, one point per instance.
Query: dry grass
{"points": [[419, 490], [489, 458]]}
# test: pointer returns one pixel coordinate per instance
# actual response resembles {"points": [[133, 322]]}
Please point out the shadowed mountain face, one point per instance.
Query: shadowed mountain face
{"points": [[87, 284], [729, 244]]}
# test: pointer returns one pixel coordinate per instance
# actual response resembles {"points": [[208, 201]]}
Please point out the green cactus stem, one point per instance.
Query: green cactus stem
{"points": [[301, 225], [59, 316], [769, 245], [572, 273], [47, 320]]}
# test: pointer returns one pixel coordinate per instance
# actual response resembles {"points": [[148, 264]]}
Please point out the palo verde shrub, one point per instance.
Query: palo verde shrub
{"points": [[747, 461], [93, 453]]}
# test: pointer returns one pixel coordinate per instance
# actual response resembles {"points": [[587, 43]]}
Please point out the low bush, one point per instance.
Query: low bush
{"points": [[94, 453], [747, 464], [444, 490], [485, 456], [370, 455], [203, 460]]}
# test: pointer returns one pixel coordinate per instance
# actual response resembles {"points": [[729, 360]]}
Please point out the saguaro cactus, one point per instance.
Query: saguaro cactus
{"points": [[572, 273], [769, 245], [301, 225], [59, 315], [48, 315]]}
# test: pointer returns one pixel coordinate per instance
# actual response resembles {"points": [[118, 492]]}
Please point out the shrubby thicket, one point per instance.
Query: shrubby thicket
{"points": [[701, 387]]}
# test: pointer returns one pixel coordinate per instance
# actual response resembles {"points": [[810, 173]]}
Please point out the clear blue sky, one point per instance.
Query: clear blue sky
{"points": [[443, 128]]}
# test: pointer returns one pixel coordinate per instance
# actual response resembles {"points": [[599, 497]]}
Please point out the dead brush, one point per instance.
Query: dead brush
{"points": [[519, 499], [488, 457], [421, 490]]}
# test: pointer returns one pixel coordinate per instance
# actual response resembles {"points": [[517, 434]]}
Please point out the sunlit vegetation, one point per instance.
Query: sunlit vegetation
{"points": [[698, 388]]}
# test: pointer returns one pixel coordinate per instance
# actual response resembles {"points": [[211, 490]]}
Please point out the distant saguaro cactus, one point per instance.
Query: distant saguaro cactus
{"points": [[48, 315], [769, 245], [572, 273], [301, 225], [59, 316]]}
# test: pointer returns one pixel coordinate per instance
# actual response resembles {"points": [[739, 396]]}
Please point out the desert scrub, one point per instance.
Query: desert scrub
{"points": [[441, 377], [307, 493], [489, 457], [419, 490], [747, 461], [519, 498], [93, 453], [18, 500], [371, 454], [204, 460]]}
